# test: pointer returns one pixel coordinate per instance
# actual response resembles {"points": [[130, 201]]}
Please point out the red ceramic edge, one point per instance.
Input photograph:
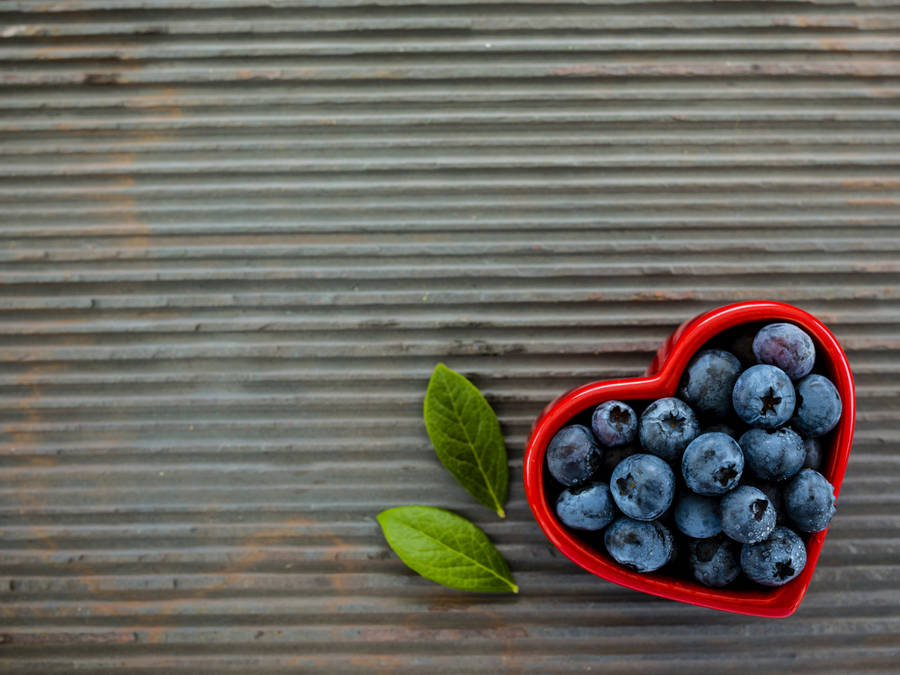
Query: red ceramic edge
{"points": [[662, 380]]}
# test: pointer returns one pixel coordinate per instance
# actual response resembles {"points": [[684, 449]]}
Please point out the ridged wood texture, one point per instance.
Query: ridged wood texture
{"points": [[236, 237]]}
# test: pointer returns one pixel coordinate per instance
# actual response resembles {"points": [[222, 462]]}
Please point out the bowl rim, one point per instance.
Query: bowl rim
{"points": [[661, 379]]}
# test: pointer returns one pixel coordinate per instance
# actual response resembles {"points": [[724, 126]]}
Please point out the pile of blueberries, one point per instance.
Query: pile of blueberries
{"points": [[732, 463]]}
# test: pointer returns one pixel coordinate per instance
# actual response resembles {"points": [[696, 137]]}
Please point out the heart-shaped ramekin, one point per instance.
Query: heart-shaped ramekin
{"points": [[661, 380]]}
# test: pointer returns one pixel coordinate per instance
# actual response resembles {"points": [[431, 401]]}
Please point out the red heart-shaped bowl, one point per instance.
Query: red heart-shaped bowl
{"points": [[661, 380]]}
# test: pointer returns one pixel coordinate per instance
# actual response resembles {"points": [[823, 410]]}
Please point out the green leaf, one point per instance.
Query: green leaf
{"points": [[466, 435], [446, 548]]}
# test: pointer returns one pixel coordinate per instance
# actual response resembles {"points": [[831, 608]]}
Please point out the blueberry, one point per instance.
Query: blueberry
{"points": [[773, 455], [589, 507], [786, 346], [813, 453], [775, 560], [612, 457], [742, 346], [712, 464], [714, 561], [708, 381], [614, 423], [668, 517], [772, 491], [764, 397], [642, 486], [639, 545], [721, 428], [809, 501], [818, 406], [747, 515], [697, 516], [573, 455], [667, 426]]}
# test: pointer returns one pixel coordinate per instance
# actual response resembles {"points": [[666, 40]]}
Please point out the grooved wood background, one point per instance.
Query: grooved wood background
{"points": [[236, 236]]}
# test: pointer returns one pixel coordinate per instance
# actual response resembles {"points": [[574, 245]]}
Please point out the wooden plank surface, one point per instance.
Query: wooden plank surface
{"points": [[236, 237]]}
